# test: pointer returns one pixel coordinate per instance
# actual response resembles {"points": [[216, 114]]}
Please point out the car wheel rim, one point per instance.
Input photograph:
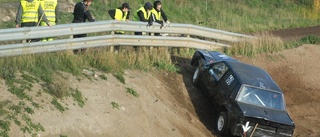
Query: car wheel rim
{"points": [[220, 123], [195, 75]]}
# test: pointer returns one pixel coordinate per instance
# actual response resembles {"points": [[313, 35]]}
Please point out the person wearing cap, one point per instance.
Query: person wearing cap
{"points": [[82, 13], [158, 14], [120, 14], [143, 14]]}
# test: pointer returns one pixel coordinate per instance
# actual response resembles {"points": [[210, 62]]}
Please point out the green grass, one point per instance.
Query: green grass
{"points": [[115, 105], [104, 77], [78, 97], [58, 105], [232, 15], [132, 92], [120, 77], [237, 16]]}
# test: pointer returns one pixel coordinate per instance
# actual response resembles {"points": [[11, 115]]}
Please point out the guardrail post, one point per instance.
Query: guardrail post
{"points": [[112, 47], [151, 48]]}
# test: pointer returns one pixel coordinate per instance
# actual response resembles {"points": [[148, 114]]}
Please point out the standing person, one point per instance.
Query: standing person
{"points": [[29, 13], [143, 14], [120, 14], [82, 13], [50, 8], [158, 14]]}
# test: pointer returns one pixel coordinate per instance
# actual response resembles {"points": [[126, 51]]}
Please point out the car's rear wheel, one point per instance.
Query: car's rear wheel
{"points": [[221, 123], [196, 77]]}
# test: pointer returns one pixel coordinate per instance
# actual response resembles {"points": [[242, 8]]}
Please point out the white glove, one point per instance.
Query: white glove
{"points": [[168, 23]]}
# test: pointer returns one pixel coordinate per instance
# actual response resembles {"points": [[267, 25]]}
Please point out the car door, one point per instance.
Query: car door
{"points": [[224, 88], [224, 79], [214, 74]]}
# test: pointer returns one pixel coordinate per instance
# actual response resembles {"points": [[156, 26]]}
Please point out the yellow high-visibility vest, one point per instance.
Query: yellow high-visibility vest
{"points": [[156, 13], [119, 15], [29, 11], [49, 7], [146, 14]]}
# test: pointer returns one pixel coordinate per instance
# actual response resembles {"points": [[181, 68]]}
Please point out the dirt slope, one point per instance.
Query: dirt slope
{"points": [[297, 33], [169, 105], [160, 110]]}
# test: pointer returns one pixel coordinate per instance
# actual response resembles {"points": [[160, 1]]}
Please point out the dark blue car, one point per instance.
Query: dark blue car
{"points": [[248, 101]]}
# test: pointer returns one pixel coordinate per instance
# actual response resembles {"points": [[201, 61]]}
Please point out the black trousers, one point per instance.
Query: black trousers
{"points": [[30, 24], [76, 51]]}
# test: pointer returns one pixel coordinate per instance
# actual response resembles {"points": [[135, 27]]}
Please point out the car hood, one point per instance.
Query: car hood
{"points": [[272, 115]]}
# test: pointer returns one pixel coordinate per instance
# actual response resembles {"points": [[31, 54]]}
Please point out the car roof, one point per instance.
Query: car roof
{"points": [[217, 56], [252, 75]]}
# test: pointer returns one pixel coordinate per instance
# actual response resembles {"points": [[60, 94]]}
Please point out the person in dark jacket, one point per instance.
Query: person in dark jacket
{"points": [[158, 14], [82, 13], [143, 14]]}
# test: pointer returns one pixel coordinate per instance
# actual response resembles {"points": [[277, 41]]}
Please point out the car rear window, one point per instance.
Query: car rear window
{"points": [[261, 97]]}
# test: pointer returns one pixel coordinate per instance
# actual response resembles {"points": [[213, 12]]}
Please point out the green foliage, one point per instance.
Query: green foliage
{"points": [[4, 124], [263, 43], [120, 77], [307, 3], [57, 105], [5, 128], [104, 77], [310, 40], [115, 105], [29, 110], [132, 92], [30, 126], [77, 96]]}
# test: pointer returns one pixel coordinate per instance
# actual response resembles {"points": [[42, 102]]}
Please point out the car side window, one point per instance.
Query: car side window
{"points": [[218, 70]]}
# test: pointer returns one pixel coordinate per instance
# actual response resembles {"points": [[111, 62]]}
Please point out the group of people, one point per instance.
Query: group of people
{"points": [[146, 13], [37, 12], [45, 13]]}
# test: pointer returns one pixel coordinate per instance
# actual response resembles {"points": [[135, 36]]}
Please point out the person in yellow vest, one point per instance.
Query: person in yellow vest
{"points": [[29, 13], [50, 8], [120, 14], [158, 14], [143, 14]]}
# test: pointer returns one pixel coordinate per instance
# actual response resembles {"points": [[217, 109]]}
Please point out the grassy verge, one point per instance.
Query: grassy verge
{"points": [[232, 15], [266, 43]]}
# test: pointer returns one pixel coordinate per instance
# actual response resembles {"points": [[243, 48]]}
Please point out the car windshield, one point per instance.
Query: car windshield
{"points": [[261, 97]]}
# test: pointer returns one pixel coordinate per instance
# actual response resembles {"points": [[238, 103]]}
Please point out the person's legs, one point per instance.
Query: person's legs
{"points": [[117, 47], [30, 24], [42, 23], [76, 51]]}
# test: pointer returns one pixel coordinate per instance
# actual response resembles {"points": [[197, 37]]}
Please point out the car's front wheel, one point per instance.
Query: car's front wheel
{"points": [[221, 123], [196, 77]]}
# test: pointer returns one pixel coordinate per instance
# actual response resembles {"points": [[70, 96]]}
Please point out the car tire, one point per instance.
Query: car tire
{"points": [[196, 77], [221, 125]]}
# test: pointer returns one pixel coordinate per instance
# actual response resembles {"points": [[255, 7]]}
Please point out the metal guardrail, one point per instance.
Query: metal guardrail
{"points": [[186, 30]]}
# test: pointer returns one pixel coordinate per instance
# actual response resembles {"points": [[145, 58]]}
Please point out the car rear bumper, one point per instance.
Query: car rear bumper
{"points": [[257, 130]]}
